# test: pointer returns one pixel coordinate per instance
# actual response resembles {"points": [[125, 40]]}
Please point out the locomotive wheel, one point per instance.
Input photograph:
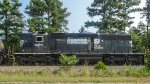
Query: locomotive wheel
{"points": [[109, 60], [1, 60], [49, 60], [129, 60]]}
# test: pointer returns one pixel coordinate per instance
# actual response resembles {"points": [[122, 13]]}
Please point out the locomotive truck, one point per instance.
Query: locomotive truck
{"points": [[45, 48]]}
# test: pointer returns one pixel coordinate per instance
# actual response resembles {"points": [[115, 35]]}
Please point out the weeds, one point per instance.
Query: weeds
{"points": [[84, 72], [71, 74], [148, 61], [100, 66], [67, 61]]}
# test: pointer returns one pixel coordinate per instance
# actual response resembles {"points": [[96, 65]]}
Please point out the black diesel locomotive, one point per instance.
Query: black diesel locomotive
{"points": [[42, 47]]}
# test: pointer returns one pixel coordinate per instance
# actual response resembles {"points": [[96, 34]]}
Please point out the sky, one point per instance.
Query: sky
{"points": [[79, 16]]}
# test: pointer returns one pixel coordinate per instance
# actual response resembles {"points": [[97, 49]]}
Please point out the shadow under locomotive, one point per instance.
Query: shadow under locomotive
{"points": [[42, 47]]}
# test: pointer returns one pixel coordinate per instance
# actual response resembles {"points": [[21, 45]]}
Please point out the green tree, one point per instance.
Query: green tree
{"points": [[82, 30], [47, 15], [136, 40], [146, 40], [146, 13], [129, 7], [113, 14], [141, 28], [11, 23], [35, 10], [139, 37]]}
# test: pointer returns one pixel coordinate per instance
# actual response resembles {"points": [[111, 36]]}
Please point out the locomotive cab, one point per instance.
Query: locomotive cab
{"points": [[34, 42], [40, 42]]}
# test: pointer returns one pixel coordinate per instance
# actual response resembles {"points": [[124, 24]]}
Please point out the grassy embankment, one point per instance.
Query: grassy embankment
{"points": [[85, 74]]}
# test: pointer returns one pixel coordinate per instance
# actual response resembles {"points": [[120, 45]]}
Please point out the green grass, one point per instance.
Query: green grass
{"points": [[125, 74], [50, 79]]}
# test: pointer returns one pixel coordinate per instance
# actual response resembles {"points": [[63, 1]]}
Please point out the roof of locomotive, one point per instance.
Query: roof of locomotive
{"points": [[115, 36], [104, 36], [64, 35]]}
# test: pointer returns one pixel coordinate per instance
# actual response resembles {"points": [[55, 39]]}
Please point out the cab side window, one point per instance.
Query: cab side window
{"points": [[39, 38]]}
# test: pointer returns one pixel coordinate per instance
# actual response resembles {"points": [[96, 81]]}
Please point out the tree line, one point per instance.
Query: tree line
{"points": [[113, 16], [44, 15]]}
